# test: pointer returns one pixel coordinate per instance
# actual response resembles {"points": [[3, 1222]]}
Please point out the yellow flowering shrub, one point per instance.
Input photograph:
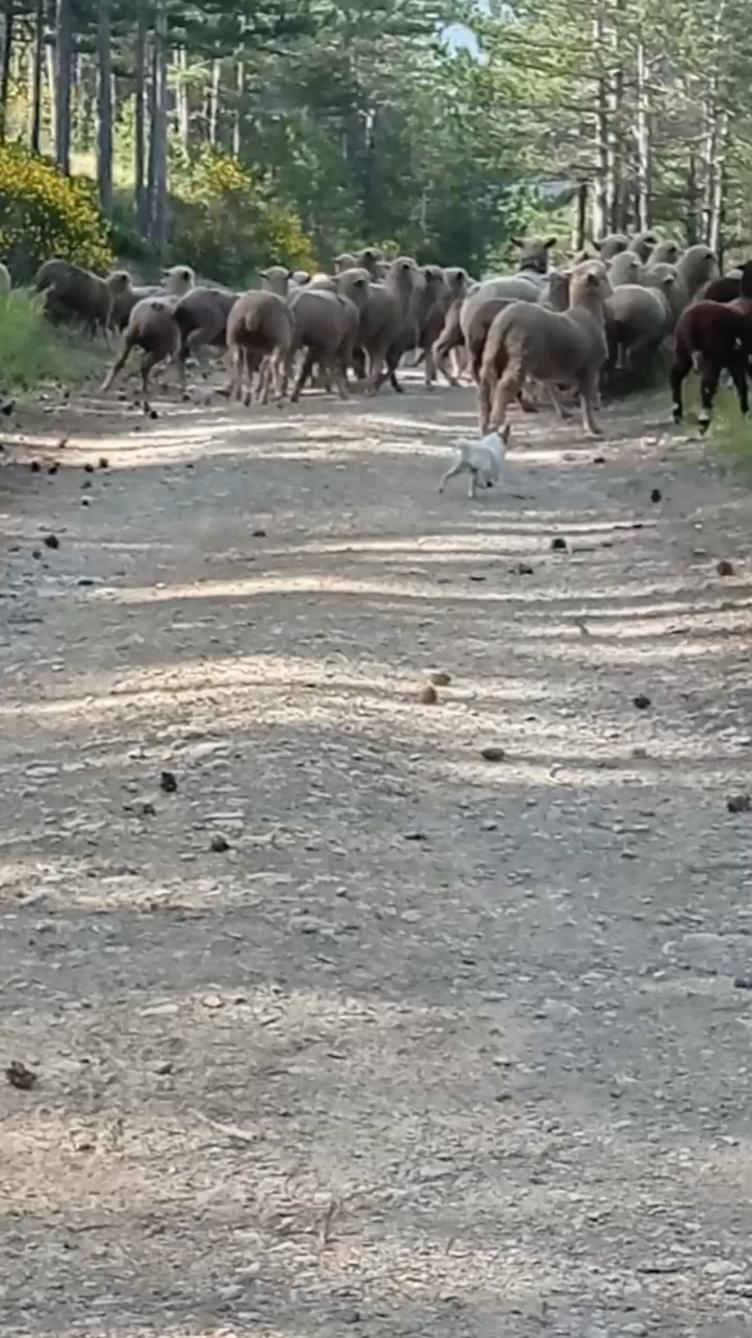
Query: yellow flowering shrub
{"points": [[225, 223], [44, 214]]}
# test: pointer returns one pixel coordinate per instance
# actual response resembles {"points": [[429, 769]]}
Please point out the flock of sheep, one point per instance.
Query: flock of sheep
{"points": [[554, 328]]}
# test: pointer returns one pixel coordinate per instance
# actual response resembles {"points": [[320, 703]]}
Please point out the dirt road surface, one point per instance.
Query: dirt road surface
{"points": [[357, 1032]]}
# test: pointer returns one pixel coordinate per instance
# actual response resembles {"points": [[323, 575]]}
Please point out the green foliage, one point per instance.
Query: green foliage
{"points": [[226, 224], [44, 214], [30, 349]]}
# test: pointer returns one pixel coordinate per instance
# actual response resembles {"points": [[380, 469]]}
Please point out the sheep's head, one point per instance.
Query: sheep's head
{"points": [[346, 260], [534, 253], [355, 283], [612, 245], [589, 284], [435, 280], [119, 282], [180, 279], [457, 280], [625, 268], [276, 279], [557, 295], [369, 259]]}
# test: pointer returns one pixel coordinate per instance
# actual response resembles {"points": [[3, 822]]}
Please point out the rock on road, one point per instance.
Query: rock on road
{"points": [[343, 1027]]}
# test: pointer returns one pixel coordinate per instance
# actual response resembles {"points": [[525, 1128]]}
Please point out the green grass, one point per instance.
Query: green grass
{"points": [[730, 435], [32, 351]]}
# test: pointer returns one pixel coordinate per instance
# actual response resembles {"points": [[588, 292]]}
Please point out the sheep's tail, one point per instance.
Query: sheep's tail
{"points": [[697, 361]]}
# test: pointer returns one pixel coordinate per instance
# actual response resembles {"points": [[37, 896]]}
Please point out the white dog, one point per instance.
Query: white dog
{"points": [[482, 460]]}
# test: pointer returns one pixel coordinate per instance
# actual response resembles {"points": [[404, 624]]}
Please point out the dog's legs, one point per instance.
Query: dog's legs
{"points": [[458, 467], [472, 484]]}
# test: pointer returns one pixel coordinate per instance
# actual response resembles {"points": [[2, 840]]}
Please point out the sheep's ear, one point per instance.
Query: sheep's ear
{"points": [[551, 242], [598, 244], [289, 273], [516, 242], [264, 273]]}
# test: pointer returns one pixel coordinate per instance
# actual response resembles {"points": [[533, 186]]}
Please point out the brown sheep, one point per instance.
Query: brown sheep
{"points": [[151, 328], [75, 292], [526, 340], [259, 335]]}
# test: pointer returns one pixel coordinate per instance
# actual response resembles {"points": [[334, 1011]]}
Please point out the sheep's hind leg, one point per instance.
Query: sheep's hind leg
{"points": [[506, 393], [739, 377], [680, 369], [711, 373], [588, 390]]}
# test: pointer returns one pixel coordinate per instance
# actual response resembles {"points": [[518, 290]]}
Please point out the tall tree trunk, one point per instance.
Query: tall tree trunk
{"points": [[579, 216], [10, 17], [237, 127], [182, 105], [139, 127], [36, 80], [693, 201], [158, 134], [214, 101], [601, 212], [715, 223], [104, 107], [63, 79], [643, 143]]}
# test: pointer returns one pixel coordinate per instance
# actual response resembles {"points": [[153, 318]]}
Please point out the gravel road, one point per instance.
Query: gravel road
{"points": [[353, 1012]]}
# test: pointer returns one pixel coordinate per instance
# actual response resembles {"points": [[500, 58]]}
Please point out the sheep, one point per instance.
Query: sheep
{"points": [[299, 278], [6, 283], [449, 339], [713, 337], [696, 266], [724, 289], [481, 307], [369, 258], [526, 340], [637, 320], [259, 335], [430, 307], [175, 283], [354, 285], [535, 254], [666, 279], [625, 268], [276, 279], [345, 261], [665, 253], [555, 293], [611, 245], [201, 317], [326, 325], [643, 245], [384, 321], [151, 328], [72, 291]]}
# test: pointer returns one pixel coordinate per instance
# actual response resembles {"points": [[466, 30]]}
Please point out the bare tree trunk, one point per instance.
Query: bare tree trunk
{"points": [[644, 145], [601, 137], [139, 128], [214, 101], [715, 222], [10, 16], [693, 202], [36, 80], [63, 80], [158, 137], [237, 128], [182, 106], [104, 106], [579, 216]]}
